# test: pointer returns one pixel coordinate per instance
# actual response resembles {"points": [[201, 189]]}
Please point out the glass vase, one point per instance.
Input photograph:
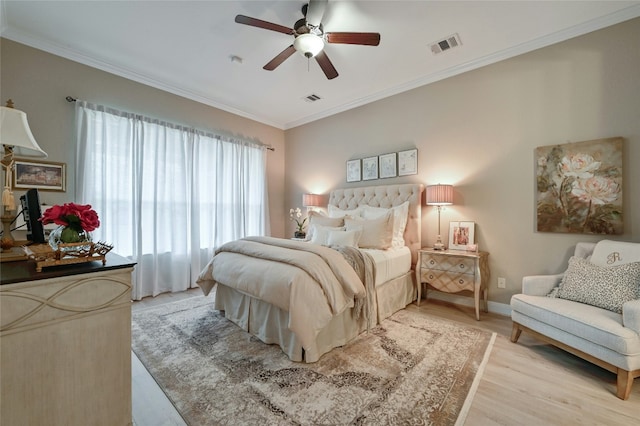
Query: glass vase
{"points": [[65, 235]]}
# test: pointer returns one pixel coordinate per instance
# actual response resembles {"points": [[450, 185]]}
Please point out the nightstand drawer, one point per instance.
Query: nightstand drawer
{"points": [[449, 282], [462, 265]]}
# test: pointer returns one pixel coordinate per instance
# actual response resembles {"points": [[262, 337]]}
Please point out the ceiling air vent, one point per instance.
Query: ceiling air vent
{"points": [[312, 98], [445, 44]]}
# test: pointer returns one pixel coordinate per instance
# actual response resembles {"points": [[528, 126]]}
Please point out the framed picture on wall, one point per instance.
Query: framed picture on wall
{"points": [[370, 168], [461, 234], [579, 187], [408, 162], [42, 175], [353, 171], [388, 165]]}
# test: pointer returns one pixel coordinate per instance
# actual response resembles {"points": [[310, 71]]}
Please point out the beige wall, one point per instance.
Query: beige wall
{"points": [[38, 83], [478, 131]]}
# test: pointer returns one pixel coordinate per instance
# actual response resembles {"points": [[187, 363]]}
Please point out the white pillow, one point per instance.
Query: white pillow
{"points": [[400, 216], [320, 234], [376, 233], [338, 212], [319, 218], [344, 238]]}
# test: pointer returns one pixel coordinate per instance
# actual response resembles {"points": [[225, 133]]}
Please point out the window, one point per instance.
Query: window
{"points": [[167, 196]]}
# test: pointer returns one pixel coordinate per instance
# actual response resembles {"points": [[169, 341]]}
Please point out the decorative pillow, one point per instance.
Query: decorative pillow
{"points": [[319, 218], [344, 238], [612, 253], [338, 212], [400, 216], [321, 233], [607, 287], [376, 233]]}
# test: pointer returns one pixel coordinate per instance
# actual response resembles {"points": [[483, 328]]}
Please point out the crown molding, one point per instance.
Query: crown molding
{"points": [[91, 61], [557, 37], [590, 26]]}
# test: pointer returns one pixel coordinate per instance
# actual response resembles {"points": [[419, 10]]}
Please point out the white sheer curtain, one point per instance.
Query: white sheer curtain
{"points": [[167, 196]]}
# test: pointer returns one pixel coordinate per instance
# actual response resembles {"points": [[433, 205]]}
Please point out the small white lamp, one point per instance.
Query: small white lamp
{"points": [[17, 140], [439, 195]]}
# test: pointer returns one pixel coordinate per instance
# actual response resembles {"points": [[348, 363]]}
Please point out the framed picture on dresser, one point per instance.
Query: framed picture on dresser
{"points": [[461, 234], [42, 175]]}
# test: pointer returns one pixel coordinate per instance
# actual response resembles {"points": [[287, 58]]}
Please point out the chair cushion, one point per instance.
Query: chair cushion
{"points": [[588, 322], [601, 286]]}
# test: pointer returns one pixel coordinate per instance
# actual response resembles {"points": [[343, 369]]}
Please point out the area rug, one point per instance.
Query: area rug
{"points": [[413, 368]]}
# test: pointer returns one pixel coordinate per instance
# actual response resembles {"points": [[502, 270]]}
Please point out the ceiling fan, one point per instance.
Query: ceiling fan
{"points": [[310, 38]]}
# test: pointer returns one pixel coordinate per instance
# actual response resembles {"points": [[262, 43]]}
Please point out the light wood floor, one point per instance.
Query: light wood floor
{"points": [[527, 383]]}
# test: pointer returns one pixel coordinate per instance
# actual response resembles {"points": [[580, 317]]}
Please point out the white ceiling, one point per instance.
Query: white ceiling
{"points": [[185, 47]]}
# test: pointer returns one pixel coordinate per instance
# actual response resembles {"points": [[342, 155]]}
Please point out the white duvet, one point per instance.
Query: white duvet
{"points": [[311, 282]]}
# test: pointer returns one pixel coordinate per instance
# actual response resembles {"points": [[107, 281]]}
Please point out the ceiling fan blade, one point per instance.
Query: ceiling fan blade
{"points": [[367, 39], [241, 19], [315, 12], [275, 62], [326, 65]]}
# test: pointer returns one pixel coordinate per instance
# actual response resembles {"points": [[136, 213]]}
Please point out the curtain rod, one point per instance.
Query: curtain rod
{"points": [[72, 99]]}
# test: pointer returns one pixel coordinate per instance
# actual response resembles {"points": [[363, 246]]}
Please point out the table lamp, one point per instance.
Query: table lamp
{"points": [[312, 200], [439, 195], [17, 140]]}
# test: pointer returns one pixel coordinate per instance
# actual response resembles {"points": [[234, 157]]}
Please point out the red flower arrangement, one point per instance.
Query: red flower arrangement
{"points": [[77, 218]]}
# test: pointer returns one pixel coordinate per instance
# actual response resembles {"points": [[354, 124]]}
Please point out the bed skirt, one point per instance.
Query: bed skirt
{"points": [[395, 294], [270, 324]]}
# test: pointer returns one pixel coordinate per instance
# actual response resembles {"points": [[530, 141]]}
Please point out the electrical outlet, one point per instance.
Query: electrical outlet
{"points": [[502, 283]]}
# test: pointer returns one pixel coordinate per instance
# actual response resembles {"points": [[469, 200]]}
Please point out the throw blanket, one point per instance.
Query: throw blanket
{"points": [[311, 282], [364, 266]]}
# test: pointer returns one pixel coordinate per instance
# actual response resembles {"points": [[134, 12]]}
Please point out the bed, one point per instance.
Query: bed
{"points": [[362, 302]]}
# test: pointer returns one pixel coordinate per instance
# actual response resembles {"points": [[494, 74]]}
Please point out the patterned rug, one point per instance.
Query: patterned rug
{"points": [[411, 369]]}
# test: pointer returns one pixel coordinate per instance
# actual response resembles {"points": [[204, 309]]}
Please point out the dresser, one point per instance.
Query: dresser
{"points": [[452, 271], [65, 343]]}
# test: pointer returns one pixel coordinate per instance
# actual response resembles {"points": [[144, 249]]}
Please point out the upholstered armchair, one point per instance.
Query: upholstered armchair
{"points": [[592, 310]]}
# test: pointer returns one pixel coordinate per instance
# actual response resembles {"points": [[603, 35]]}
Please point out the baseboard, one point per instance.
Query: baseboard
{"points": [[494, 307]]}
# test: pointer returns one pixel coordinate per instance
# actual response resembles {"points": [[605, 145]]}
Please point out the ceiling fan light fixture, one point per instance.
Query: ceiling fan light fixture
{"points": [[309, 45]]}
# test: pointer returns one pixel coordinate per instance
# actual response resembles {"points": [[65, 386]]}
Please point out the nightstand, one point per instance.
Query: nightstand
{"points": [[452, 271]]}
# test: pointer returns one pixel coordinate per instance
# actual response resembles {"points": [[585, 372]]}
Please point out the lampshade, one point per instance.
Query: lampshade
{"points": [[14, 131], [309, 45], [439, 195], [312, 200]]}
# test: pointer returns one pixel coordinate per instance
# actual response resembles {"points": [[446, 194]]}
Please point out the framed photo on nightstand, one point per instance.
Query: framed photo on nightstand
{"points": [[461, 234]]}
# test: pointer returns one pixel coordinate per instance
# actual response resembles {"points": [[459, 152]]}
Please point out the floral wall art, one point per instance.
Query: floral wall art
{"points": [[579, 187]]}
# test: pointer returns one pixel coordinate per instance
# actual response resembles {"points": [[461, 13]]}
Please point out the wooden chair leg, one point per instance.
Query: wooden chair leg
{"points": [[625, 381], [515, 332]]}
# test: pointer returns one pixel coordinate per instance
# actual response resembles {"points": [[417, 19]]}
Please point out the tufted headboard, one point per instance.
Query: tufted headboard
{"points": [[388, 196]]}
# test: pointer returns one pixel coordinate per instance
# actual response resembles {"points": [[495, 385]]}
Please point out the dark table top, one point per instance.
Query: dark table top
{"points": [[25, 270]]}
